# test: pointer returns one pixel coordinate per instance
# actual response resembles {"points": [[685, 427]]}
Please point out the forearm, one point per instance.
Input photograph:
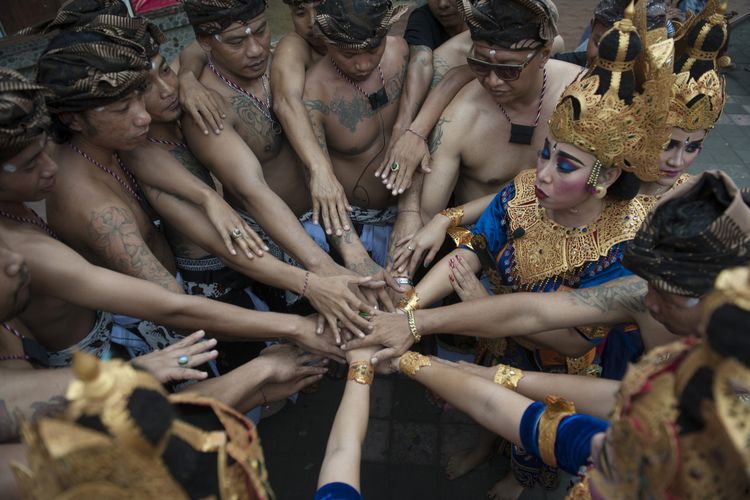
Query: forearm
{"points": [[342, 459], [192, 61], [492, 406], [436, 285], [439, 98], [409, 200], [300, 134], [240, 388], [418, 78], [593, 396], [352, 251], [32, 394]]}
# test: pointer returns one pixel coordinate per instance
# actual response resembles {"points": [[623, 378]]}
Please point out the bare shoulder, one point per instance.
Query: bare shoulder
{"points": [[561, 72], [292, 49], [454, 50], [468, 103], [396, 44]]}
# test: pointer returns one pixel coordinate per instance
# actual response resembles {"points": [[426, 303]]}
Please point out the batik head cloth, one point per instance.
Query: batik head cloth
{"points": [[608, 12], [211, 17], [691, 237], [78, 13], [356, 24], [95, 66], [23, 113], [511, 24]]}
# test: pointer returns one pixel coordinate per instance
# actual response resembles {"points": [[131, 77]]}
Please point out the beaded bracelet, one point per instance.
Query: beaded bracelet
{"points": [[307, 282]]}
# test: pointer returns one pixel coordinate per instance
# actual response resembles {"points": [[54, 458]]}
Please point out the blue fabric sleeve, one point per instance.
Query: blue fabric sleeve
{"points": [[573, 442], [491, 223], [337, 491], [529, 429]]}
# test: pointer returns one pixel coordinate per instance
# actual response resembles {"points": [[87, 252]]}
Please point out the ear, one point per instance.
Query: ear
{"points": [[205, 42], [74, 121], [608, 176], [544, 56]]}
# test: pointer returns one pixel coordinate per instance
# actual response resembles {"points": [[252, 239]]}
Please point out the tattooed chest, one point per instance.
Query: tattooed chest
{"points": [[261, 134]]}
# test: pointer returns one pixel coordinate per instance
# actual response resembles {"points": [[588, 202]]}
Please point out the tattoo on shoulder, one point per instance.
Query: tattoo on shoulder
{"points": [[436, 137], [628, 293], [114, 236]]}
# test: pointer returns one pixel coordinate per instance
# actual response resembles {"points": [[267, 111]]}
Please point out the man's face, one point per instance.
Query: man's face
{"points": [[121, 125], [446, 13], [160, 96], [679, 314], [357, 64], [242, 50], [14, 285], [592, 47], [27, 174], [681, 151], [303, 19], [521, 66]]}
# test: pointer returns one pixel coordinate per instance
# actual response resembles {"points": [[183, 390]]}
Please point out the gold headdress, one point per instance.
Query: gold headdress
{"points": [[123, 437], [679, 427], [603, 113], [699, 90]]}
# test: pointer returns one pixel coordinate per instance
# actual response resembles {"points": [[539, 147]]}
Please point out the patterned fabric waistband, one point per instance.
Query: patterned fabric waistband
{"points": [[97, 342]]}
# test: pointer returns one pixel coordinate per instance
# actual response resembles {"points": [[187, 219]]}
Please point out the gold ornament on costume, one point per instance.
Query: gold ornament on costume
{"points": [[699, 95], [410, 301], [556, 409], [123, 437], [411, 362], [361, 372], [548, 250], [508, 376], [604, 115]]}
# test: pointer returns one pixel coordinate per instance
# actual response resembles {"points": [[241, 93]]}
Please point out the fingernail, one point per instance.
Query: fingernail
{"points": [[400, 190], [216, 131], [266, 249], [233, 252]]}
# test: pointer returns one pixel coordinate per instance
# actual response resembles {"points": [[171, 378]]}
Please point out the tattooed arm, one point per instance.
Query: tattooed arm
{"points": [[30, 393], [113, 235], [446, 142]]}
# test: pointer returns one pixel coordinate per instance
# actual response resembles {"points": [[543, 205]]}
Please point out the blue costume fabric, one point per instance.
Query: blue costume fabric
{"points": [[337, 491], [573, 440]]}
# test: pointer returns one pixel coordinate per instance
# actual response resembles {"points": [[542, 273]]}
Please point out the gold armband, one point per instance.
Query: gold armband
{"points": [[411, 362], [455, 214], [508, 377], [557, 409], [410, 301], [460, 236], [362, 372], [413, 326]]}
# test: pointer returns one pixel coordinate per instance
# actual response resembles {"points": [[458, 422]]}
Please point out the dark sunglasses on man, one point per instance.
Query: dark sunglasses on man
{"points": [[505, 72]]}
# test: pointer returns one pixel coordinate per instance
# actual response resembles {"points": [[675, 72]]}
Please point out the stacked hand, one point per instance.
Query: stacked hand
{"points": [[205, 106], [292, 370], [422, 245], [177, 361], [233, 229], [401, 161], [329, 201], [390, 333]]}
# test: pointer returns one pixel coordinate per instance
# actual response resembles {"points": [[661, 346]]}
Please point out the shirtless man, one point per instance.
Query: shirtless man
{"points": [[251, 157], [494, 127], [352, 98]]}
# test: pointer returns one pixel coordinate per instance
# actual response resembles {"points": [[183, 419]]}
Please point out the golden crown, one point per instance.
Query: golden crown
{"points": [[603, 114], [699, 95], [118, 440]]}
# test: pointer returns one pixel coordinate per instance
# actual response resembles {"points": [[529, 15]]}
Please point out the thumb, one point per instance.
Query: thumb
{"points": [[383, 355]]}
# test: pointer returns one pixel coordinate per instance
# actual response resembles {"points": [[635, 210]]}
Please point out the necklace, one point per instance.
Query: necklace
{"points": [[36, 221], [111, 172], [522, 134], [263, 106], [10, 357], [167, 143], [377, 99]]}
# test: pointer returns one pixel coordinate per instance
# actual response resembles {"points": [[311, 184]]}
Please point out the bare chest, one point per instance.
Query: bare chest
{"points": [[262, 134]]}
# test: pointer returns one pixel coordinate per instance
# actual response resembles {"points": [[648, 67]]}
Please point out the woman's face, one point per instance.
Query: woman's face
{"points": [[679, 155], [562, 171]]}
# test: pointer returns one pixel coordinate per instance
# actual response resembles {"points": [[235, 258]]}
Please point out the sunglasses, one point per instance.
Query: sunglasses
{"points": [[505, 72]]}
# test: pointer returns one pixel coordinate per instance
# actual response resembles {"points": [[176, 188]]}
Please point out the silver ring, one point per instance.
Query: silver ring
{"points": [[411, 249], [404, 281], [236, 233], [183, 360], [395, 166]]}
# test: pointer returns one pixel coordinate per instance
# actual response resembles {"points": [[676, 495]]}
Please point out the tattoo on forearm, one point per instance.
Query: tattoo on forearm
{"points": [[9, 426], [627, 293], [346, 238], [439, 68], [436, 137], [114, 235]]}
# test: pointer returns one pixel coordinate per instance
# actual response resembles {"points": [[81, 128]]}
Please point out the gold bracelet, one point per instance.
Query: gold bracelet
{"points": [[411, 362], [455, 214], [557, 409], [508, 376], [413, 326], [362, 372], [410, 301]]}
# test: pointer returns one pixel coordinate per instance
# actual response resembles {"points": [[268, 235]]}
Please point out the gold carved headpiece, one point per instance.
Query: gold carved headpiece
{"points": [[679, 427], [604, 114], [123, 437], [699, 93]]}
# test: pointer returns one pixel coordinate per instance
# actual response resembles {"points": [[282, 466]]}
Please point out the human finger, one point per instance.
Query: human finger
{"points": [[342, 205], [177, 373], [306, 358], [309, 380], [321, 324], [333, 215], [383, 355], [326, 218], [315, 211], [385, 299], [403, 181], [256, 240], [186, 341]]}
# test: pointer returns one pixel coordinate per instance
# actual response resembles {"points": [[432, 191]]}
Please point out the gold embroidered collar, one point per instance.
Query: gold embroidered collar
{"points": [[548, 250], [649, 201]]}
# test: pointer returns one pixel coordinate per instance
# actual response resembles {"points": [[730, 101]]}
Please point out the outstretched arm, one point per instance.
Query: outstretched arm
{"points": [[291, 59]]}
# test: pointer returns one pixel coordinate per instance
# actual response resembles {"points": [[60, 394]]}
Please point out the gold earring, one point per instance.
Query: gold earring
{"points": [[600, 192]]}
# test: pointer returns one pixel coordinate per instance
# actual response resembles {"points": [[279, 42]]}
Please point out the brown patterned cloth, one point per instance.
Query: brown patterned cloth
{"points": [[78, 13], [23, 113], [356, 24], [608, 12], [691, 237], [210, 17], [98, 64], [511, 24]]}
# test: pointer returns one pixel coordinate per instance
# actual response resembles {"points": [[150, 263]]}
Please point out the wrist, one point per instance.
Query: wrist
{"points": [[261, 369]]}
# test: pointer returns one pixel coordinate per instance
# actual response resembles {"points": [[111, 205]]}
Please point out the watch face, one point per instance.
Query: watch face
{"points": [[378, 99]]}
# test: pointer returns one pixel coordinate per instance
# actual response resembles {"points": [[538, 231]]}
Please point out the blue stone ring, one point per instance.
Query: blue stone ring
{"points": [[183, 360]]}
